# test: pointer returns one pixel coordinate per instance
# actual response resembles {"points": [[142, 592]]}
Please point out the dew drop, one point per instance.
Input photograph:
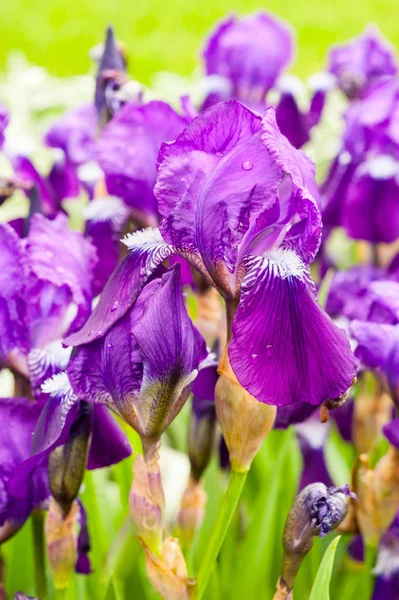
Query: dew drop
{"points": [[109, 346], [254, 355], [90, 333], [99, 333], [247, 166], [269, 350], [114, 306]]}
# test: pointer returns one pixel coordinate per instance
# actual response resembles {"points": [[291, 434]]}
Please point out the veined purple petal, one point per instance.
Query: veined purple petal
{"points": [[359, 62], [147, 250], [285, 349], [128, 147], [18, 417], [74, 133], [348, 289], [250, 52], [334, 189]]}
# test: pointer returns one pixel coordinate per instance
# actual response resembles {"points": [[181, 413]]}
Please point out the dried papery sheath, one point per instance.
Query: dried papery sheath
{"points": [[61, 539], [317, 510]]}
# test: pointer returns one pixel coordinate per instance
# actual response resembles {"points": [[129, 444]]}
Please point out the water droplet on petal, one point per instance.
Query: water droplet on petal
{"points": [[114, 306], [269, 350], [90, 333], [109, 346], [246, 165], [254, 355], [99, 333]]}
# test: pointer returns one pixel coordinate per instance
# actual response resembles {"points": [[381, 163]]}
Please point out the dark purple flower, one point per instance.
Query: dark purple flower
{"points": [[346, 295], [143, 366], [312, 436], [111, 74], [361, 193], [127, 151], [19, 417], [360, 62], [44, 294], [241, 204], [3, 123], [250, 54]]}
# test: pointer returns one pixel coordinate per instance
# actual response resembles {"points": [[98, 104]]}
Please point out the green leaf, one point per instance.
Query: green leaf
{"points": [[321, 586]]}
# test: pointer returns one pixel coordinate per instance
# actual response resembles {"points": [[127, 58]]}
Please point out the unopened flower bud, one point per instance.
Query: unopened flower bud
{"points": [[147, 502], [378, 495], [317, 510], [61, 539], [168, 574], [244, 421], [191, 514], [67, 463]]}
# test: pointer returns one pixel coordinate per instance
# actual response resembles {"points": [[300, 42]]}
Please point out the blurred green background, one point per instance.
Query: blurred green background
{"points": [[168, 35]]}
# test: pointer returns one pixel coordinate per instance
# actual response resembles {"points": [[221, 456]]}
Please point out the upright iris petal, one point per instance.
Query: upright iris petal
{"points": [[249, 53]]}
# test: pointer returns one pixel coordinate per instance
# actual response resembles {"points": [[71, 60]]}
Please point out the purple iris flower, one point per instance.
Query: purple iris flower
{"points": [[44, 294], [143, 365], [361, 192], [127, 152], [241, 204], [248, 55], [3, 123], [359, 63]]}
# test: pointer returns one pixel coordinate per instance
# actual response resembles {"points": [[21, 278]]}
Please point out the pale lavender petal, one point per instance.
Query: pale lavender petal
{"points": [[74, 133], [285, 349]]}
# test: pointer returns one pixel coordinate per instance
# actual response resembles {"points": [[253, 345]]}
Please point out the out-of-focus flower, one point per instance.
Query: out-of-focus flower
{"points": [[142, 366], [317, 510], [241, 204], [3, 123], [248, 54], [127, 152], [361, 192], [359, 63], [387, 567], [312, 436], [44, 294]]}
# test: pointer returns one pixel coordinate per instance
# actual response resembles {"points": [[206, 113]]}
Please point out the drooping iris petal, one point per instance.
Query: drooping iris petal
{"points": [[147, 250], [292, 122], [105, 219], [18, 417], [285, 349], [128, 147], [250, 53], [14, 334], [74, 133], [358, 63], [58, 278], [63, 180], [292, 414], [204, 392], [109, 445]]}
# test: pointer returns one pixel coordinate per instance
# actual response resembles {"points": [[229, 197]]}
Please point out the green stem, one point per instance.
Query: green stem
{"points": [[369, 564], [226, 512], [60, 594], [37, 520]]}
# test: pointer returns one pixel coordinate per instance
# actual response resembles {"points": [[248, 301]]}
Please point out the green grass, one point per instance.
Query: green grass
{"points": [[169, 35]]}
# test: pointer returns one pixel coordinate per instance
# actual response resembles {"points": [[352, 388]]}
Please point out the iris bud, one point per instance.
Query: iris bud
{"points": [[67, 463], [201, 440], [372, 412], [378, 495], [244, 421], [61, 539], [317, 510], [192, 510], [168, 574], [147, 502]]}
